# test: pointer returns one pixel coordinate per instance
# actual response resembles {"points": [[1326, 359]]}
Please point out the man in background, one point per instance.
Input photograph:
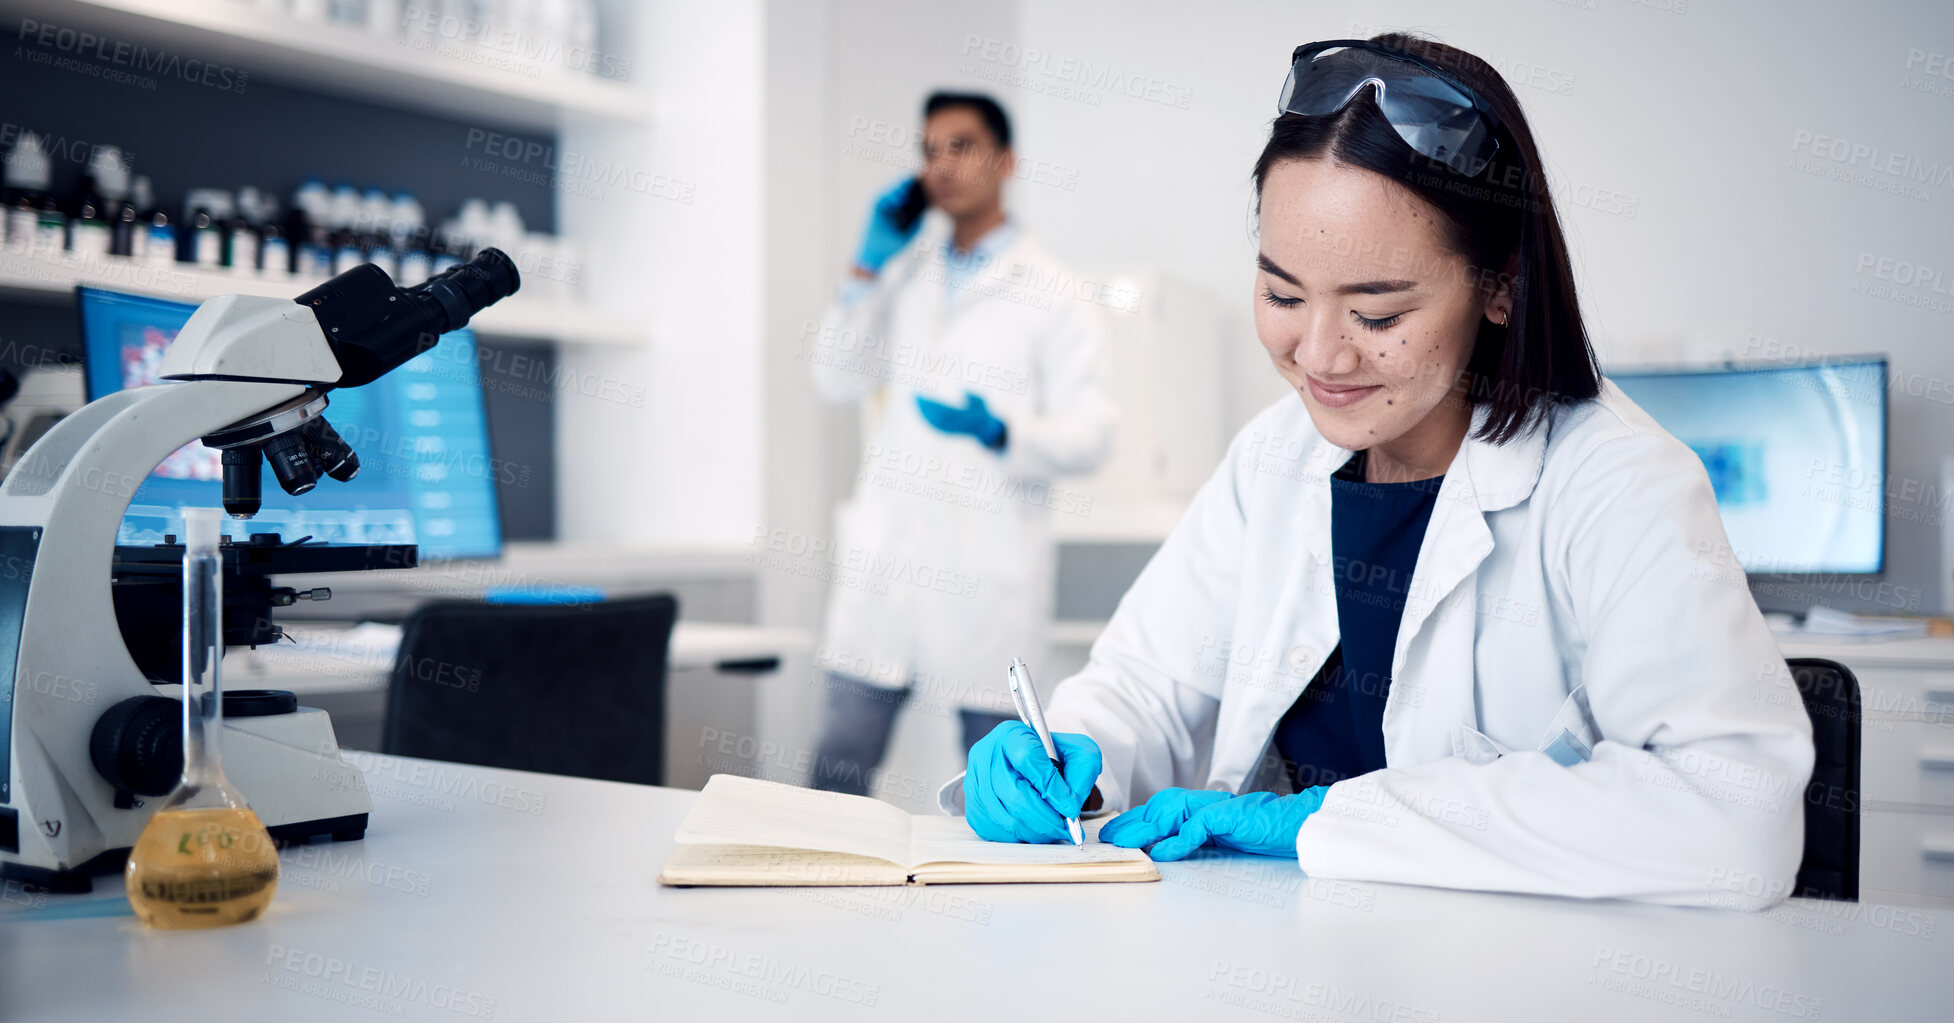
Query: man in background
{"points": [[982, 379]]}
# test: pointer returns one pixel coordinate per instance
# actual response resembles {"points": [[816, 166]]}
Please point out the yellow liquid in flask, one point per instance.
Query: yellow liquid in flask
{"points": [[202, 868]]}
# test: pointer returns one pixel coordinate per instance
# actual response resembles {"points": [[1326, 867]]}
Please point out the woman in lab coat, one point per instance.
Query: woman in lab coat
{"points": [[1457, 612]]}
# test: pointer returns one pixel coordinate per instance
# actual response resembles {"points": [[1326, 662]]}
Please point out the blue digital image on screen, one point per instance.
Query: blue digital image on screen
{"points": [[1736, 470], [426, 475], [1795, 454]]}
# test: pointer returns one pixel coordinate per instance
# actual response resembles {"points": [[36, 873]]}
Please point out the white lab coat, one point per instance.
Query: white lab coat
{"points": [[943, 561], [1575, 602]]}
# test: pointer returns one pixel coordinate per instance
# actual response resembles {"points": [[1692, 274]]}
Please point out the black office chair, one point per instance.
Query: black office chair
{"points": [[573, 689], [1830, 869]]}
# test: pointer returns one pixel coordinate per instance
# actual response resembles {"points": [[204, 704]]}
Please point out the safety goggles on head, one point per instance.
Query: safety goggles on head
{"points": [[1433, 112]]}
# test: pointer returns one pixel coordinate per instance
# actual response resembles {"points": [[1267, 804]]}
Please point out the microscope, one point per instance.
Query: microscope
{"points": [[90, 740]]}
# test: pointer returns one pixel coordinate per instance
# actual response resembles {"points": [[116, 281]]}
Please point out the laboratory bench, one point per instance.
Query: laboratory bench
{"points": [[489, 894]]}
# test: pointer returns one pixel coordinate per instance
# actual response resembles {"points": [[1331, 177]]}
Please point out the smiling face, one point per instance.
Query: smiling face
{"points": [[1368, 313]]}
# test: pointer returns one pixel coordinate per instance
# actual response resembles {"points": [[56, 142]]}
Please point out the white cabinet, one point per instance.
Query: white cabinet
{"points": [[1905, 856], [1906, 824]]}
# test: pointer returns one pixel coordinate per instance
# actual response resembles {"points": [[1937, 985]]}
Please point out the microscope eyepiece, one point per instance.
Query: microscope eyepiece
{"points": [[373, 326], [468, 288]]}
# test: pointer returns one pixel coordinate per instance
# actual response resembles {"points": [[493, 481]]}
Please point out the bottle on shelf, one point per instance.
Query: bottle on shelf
{"points": [[25, 176], [470, 228], [274, 249], [477, 20], [153, 226], [51, 228], [445, 249], [206, 211], [551, 22], [580, 34], [383, 17], [125, 237], [245, 234], [108, 170], [376, 229], [505, 227], [91, 229], [88, 230], [407, 234], [351, 13], [311, 231], [140, 198], [342, 219]]}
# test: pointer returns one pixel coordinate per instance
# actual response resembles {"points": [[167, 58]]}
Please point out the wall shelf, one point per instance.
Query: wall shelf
{"points": [[52, 281], [456, 79]]}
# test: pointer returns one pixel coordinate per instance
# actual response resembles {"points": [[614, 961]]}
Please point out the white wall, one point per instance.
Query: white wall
{"points": [[790, 117], [1731, 250], [846, 82], [680, 249]]}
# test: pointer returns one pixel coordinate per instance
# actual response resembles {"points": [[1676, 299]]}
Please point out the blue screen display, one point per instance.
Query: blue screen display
{"points": [[1796, 455], [426, 476]]}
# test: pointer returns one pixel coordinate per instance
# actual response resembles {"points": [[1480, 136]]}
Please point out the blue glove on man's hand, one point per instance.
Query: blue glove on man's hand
{"points": [[883, 238], [1011, 791], [1183, 820], [974, 419]]}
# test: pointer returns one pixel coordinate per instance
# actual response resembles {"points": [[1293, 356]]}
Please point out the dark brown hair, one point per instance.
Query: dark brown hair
{"points": [[1542, 355]]}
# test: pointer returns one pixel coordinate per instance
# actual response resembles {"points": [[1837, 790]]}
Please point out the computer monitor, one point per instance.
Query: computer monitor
{"points": [[426, 476], [1796, 455]]}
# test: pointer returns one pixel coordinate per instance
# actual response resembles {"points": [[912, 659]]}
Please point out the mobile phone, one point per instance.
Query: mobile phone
{"points": [[913, 205]]}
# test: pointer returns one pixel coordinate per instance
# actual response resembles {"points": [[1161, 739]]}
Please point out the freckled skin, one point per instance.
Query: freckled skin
{"points": [[1409, 427]]}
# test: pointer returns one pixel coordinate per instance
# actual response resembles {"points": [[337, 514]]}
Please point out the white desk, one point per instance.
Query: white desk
{"points": [[555, 915]]}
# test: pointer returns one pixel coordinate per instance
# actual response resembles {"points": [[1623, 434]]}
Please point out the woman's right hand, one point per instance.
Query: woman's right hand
{"points": [[1011, 791]]}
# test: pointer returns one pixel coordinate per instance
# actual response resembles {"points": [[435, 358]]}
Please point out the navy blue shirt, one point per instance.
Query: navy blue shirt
{"points": [[1335, 730]]}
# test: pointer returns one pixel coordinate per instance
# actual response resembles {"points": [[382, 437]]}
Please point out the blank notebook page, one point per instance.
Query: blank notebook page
{"points": [[749, 812], [746, 811]]}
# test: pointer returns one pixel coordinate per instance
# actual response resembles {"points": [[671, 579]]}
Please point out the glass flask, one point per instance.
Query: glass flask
{"points": [[204, 859]]}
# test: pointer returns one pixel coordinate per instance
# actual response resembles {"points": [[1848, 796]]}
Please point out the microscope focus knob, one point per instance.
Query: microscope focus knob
{"points": [[137, 746]]}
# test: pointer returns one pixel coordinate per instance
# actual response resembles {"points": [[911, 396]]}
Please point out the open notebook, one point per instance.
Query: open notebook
{"points": [[743, 831]]}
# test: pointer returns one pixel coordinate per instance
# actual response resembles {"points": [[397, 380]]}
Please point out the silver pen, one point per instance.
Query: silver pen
{"points": [[1032, 713]]}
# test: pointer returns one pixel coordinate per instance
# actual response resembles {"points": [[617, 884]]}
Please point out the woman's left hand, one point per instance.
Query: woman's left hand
{"points": [[1183, 820]]}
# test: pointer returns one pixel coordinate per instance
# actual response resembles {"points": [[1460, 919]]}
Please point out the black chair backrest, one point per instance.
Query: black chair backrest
{"points": [[575, 689], [1830, 869]]}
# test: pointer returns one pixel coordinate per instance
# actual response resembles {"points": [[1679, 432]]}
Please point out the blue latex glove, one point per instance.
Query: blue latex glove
{"points": [[883, 239], [1178, 821], [1011, 791], [974, 419]]}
